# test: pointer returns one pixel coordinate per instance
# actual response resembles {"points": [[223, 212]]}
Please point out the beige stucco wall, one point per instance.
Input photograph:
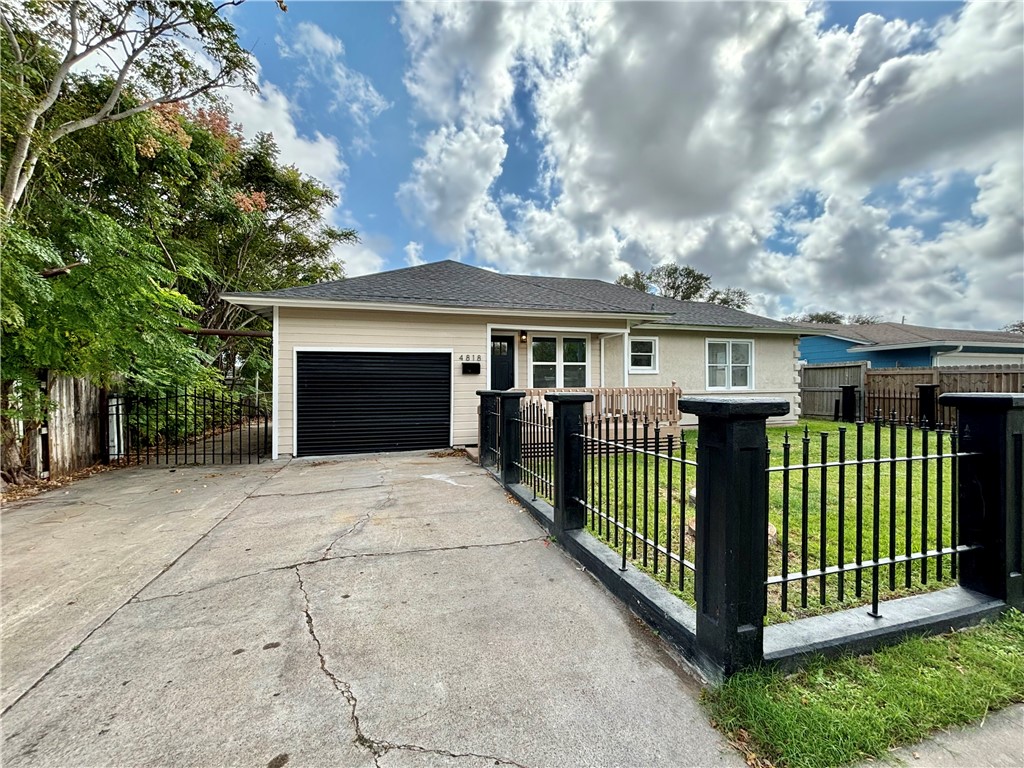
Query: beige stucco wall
{"points": [[682, 359], [385, 330]]}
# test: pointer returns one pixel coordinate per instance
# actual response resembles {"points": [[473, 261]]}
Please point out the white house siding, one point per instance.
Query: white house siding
{"points": [[978, 358], [385, 330], [682, 358]]}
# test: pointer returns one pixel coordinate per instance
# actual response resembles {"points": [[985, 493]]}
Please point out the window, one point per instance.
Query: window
{"points": [[730, 364], [557, 361], [643, 355]]}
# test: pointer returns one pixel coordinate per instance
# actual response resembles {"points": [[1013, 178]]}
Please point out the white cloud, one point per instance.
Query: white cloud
{"points": [[315, 155], [414, 254], [321, 64], [362, 258], [675, 132], [449, 184]]}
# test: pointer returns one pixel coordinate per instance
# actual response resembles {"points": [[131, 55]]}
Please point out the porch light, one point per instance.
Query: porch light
{"points": [[522, 337]]}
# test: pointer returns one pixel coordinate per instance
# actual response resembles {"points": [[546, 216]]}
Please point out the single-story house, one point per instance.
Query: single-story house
{"points": [[393, 361], [897, 345]]}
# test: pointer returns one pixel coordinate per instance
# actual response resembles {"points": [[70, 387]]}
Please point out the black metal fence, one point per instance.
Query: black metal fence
{"points": [[188, 427], [857, 516], [635, 494], [490, 431], [878, 511], [536, 460]]}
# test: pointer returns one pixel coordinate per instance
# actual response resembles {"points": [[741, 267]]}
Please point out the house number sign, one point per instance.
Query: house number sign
{"points": [[471, 358]]}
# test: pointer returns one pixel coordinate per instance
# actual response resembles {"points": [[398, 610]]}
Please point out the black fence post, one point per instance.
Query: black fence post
{"points": [[849, 402], [104, 425], [990, 497], [486, 432], [732, 527], [569, 513], [511, 439], [927, 400]]}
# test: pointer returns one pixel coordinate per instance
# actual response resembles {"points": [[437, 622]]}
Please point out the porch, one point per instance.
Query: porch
{"points": [[654, 404]]}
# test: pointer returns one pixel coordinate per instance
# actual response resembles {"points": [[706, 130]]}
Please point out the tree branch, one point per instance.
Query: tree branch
{"points": [[19, 59], [57, 271]]}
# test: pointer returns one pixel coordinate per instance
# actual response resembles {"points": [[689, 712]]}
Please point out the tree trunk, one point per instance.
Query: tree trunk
{"points": [[12, 455]]}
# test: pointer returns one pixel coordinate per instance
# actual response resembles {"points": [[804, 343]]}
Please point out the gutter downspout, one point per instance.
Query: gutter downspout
{"points": [[947, 352]]}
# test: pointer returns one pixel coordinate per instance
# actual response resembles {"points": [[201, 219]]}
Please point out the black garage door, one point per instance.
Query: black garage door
{"points": [[358, 402]]}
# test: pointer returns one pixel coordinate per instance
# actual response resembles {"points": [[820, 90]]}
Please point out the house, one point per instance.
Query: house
{"points": [[393, 361], [897, 345]]}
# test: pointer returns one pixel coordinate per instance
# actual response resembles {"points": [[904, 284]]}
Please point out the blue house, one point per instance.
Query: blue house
{"points": [[897, 345]]}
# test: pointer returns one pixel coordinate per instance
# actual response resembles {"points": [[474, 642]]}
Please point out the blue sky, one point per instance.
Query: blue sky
{"points": [[812, 154]]}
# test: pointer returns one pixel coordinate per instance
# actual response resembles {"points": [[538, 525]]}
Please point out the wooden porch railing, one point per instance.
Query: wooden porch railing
{"points": [[656, 403]]}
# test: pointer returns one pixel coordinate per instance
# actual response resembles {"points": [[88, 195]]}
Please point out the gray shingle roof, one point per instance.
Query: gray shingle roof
{"points": [[453, 284], [882, 334], [446, 284], [679, 312]]}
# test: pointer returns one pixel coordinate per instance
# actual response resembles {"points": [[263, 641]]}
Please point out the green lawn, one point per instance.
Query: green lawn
{"points": [[835, 712], [916, 513]]}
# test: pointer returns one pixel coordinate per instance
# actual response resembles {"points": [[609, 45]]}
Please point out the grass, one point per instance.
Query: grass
{"points": [[914, 515], [836, 712]]}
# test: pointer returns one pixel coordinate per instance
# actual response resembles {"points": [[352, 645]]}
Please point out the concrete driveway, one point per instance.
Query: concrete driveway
{"points": [[389, 610]]}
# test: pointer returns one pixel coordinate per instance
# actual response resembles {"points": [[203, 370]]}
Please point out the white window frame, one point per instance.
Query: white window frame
{"points": [[653, 367], [728, 365], [559, 362]]}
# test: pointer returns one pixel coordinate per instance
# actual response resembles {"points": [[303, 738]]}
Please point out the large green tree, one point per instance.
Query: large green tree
{"points": [[683, 282], [259, 226], [160, 51], [126, 210]]}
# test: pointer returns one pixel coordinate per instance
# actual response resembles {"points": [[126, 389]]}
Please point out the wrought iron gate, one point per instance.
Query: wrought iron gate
{"points": [[188, 427]]}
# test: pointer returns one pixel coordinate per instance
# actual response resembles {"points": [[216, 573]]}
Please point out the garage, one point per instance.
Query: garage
{"points": [[362, 402]]}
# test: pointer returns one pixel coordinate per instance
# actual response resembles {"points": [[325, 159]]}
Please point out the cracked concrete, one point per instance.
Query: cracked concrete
{"points": [[71, 557], [390, 610]]}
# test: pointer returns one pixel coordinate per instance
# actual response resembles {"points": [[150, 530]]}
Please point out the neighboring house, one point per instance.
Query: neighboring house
{"points": [[897, 345], [393, 361]]}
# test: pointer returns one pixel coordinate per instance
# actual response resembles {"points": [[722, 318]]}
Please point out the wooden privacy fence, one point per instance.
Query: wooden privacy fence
{"points": [[74, 430], [821, 387], [655, 403], [909, 392], [900, 389]]}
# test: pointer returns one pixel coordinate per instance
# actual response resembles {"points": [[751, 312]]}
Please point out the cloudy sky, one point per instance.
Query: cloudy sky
{"points": [[856, 156]]}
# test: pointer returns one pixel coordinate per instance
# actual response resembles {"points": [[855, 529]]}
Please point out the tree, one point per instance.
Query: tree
{"points": [[833, 318], [87, 291], [684, 283], [146, 48], [1017, 327], [637, 280], [260, 226], [863, 319], [129, 221], [680, 282], [828, 316], [737, 298]]}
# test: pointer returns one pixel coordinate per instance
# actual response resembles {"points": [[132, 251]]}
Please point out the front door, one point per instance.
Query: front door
{"points": [[503, 370]]}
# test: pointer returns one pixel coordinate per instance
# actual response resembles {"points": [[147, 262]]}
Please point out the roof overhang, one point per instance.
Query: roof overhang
{"points": [[946, 346], [656, 326], [262, 305]]}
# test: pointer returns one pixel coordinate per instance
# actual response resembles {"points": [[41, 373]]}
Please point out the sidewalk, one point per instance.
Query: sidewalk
{"points": [[996, 742]]}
